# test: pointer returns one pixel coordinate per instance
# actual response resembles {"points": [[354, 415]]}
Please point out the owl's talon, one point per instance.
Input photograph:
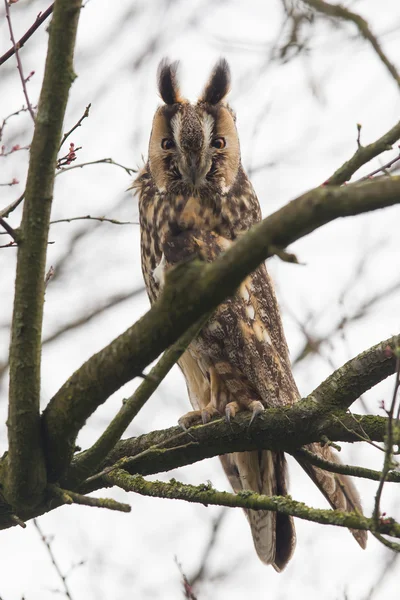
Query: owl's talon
{"points": [[257, 408], [205, 417], [191, 418], [230, 411]]}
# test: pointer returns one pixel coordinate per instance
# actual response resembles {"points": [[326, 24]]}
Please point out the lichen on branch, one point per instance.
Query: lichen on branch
{"points": [[205, 494]]}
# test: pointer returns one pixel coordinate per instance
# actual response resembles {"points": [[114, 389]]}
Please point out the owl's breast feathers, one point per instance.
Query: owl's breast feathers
{"points": [[245, 331]]}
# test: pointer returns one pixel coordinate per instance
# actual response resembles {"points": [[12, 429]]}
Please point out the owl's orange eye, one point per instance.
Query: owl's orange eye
{"points": [[167, 144], [218, 143]]}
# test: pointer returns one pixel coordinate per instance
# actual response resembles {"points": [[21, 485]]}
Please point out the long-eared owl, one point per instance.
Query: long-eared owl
{"points": [[194, 184]]}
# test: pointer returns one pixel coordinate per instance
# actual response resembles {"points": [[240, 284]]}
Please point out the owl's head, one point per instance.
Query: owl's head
{"points": [[194, 148]]}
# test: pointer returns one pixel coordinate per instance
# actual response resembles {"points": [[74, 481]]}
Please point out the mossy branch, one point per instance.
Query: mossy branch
{"points": [[358, 375], [26, 477], [69, 497], [206, 494], [192, 290]]}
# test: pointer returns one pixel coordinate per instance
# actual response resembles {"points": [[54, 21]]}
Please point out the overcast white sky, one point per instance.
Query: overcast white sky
{"points": [[298, 120]]}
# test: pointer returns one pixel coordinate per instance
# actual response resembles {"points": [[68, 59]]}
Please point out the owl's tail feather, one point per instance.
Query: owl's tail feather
{"points": [[339, 490], [264, 472]]}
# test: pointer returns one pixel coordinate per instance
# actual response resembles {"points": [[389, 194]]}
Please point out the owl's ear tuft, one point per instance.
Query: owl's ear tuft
{"points": [[219, 83], [167, 81]]}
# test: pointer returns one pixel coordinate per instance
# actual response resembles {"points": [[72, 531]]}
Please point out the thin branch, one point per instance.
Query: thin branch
{"points": [[69, 497], [187, 587], [205, 494], [363, 155], [26, 472], [201, 572], [89, 217], [354, 471], [19, 63], [388, 566], [78, 124], [191, 290], [357, 375], [383, 169], [39, 20], [106, 161], [9, 230], [340, 12], [5, 120], [95, 455], [388, 460], [50, 552]]}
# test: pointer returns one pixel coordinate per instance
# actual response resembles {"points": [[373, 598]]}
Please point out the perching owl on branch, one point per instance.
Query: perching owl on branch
{"points": [[194, 189]]}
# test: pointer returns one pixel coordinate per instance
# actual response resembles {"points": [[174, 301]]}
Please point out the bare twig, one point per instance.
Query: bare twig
{"points": [[5, 120], [39, 20], [201, 572], [187, 587], [95, 312], [78, 124], [383, 169], [50, 552], [340, 12], [392, 561], [20, 69], [106, 161], [16, 148], [89, 217], [49, 275], [10, 183], [354, 471], [9, 230], [388, 460], [359, 126], [69, 497], [363, 155]]}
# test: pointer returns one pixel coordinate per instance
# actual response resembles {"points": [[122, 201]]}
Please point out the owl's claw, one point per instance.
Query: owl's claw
{"points": [[191, 418], [195, 417], [257, 409], [230, 411]]}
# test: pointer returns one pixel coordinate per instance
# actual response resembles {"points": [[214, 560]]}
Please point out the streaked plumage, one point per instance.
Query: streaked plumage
{"points": [[195, 199]]}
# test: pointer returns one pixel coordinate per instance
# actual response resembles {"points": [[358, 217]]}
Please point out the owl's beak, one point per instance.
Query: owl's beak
{"points": [[191, 170], [193, 164]]}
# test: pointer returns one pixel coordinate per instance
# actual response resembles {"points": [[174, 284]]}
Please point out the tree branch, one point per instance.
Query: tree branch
{"points": [[340, 12], [358, 375], [95, 455], [26, 478], [191, 290], [363, 155], [354, 471], [205, 494], [39, 20]]}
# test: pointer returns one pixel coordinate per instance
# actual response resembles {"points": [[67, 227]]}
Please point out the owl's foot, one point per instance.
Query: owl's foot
{"points": [[233, 408], [195, 417]]}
